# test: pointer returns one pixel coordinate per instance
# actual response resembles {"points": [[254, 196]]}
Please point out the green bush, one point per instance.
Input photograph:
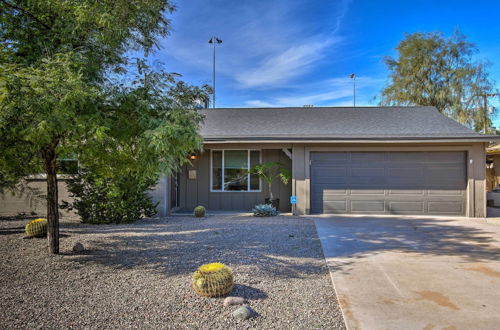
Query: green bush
{"points": [[199, 211], [109, 200]]}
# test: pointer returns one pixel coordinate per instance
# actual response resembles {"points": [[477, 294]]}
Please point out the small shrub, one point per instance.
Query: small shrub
{"points": [[199, 211], [265, 210], [213, 280], [36, 228]]}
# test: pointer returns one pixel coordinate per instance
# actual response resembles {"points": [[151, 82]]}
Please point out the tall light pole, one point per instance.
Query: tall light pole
{"points": [[485, 102], [214, 40], [353, 77]]}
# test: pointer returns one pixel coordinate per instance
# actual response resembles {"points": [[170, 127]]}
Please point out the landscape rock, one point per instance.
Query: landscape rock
{"points": [[78, 247], [234, 301], [243, 313]]}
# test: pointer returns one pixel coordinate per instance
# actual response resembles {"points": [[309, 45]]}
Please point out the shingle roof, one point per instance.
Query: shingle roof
{"points": [[332, 123]]}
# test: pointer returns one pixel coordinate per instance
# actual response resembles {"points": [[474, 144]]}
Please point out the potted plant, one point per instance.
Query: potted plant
{"points": [[269, 171]]}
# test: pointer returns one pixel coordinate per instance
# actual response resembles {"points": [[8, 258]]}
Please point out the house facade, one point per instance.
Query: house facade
{"points": [[366, 160]]}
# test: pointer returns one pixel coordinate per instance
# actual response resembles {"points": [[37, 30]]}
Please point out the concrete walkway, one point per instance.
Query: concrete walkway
{"points": [[414, 273]]}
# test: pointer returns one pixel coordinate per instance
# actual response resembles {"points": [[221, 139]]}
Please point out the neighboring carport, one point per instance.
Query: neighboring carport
{"points": [[414, 272]]}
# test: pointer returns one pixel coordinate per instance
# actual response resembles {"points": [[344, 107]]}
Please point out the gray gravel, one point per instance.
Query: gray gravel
{"points": [[139, 275]]}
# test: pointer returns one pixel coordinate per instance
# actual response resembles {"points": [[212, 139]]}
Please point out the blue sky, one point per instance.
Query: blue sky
{"points": [[295, 52]]}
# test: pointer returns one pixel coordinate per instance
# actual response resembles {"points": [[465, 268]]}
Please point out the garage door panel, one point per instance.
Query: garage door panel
{"points": [[389, 182], [446, 207], [368, 192], [330, 194], [325, 187], [328, 158], [446, 192], [368, 172], [335, 207], [407, 207], [446, 157], [329, 171], [367, 206], [372, 157], [366, 182], [396, 171], [405, 157], [404, 193], [445, 172], [406, 184]]}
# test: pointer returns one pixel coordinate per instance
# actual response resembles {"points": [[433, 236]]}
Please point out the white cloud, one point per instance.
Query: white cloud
{"points": [[332, 92], [259, 104], [280, 68], [266, 44]]}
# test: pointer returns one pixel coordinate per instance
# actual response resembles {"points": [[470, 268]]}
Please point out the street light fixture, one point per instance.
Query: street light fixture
{"points": [[353, 77], [214, 40], [485, 101]]}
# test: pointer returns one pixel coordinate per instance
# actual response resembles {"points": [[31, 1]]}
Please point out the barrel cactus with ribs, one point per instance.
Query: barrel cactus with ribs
{"points": [[36, 228], [213, 280]]}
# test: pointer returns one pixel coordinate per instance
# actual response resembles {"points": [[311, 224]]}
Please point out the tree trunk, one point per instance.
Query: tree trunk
{"points": [[49, 155], [270, 191]]}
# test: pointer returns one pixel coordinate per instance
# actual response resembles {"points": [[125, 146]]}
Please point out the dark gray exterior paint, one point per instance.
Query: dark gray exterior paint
{"points": [[197, 192], [431, 183]]}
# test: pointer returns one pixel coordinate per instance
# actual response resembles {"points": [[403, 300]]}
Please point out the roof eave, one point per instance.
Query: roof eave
{"points": [[483, 139]]}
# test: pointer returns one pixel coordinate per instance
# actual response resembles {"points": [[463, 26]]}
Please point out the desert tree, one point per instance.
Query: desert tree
{"points": [[431, 69], [59, 92]]}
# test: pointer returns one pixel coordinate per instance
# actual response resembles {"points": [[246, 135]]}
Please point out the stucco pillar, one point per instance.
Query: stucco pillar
{"points": [[478, 156], [299, 187], [477, 181]]}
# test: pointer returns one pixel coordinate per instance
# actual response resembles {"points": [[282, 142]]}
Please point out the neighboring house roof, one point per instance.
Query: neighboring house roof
{"points": [[333, 123], [493, 149]]}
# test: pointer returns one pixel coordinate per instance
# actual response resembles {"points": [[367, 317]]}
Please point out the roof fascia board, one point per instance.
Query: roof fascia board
{"points": [[354, 141]]}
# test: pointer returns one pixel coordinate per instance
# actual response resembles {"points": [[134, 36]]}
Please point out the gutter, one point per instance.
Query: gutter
{"points": [[413, 140]]}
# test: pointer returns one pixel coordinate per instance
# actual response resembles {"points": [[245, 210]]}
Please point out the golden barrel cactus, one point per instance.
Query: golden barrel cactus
{"points": [[213, 280], [36, 228]]}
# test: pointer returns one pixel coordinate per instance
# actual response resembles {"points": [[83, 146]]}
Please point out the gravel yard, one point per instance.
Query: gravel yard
{"points": [[139, 275]]}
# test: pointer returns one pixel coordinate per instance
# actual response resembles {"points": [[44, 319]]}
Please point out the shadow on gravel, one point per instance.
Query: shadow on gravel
{"points": [[11, 231], [282, 246], [248, 292]]}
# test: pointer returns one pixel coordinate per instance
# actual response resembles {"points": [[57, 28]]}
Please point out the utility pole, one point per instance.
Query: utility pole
{"points": [[214, 40], [353, 77], [485, 104]]}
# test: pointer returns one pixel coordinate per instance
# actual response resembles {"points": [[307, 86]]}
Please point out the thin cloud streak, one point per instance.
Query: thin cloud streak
{"points": [[283, 67], [330, 92]]}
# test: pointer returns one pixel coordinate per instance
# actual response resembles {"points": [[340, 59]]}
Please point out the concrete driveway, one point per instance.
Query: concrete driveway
{"points": [[414, 272]]}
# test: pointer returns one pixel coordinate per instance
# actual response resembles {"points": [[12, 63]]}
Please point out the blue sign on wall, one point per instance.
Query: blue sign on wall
{"points": [[293, 199]]}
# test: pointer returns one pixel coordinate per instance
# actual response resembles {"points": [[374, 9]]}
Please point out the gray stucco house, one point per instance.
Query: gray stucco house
{"points": [[372, 160]]}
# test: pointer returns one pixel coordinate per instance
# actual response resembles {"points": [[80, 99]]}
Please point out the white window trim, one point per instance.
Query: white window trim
{"points": [[248, 180]]}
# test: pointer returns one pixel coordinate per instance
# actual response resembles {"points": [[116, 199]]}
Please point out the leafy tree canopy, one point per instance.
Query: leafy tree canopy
{"points": [[431, 69], [59, 63]]}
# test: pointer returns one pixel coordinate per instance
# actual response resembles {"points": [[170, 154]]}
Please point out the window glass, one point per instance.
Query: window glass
{"points": [[235, 170], [254, 178], [216, 170]]}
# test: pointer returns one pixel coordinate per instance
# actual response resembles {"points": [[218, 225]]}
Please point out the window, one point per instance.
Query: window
{"points": [[230, 168]]}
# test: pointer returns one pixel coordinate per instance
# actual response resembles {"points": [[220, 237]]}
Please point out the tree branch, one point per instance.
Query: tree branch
{"points": [[25, 12]]}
